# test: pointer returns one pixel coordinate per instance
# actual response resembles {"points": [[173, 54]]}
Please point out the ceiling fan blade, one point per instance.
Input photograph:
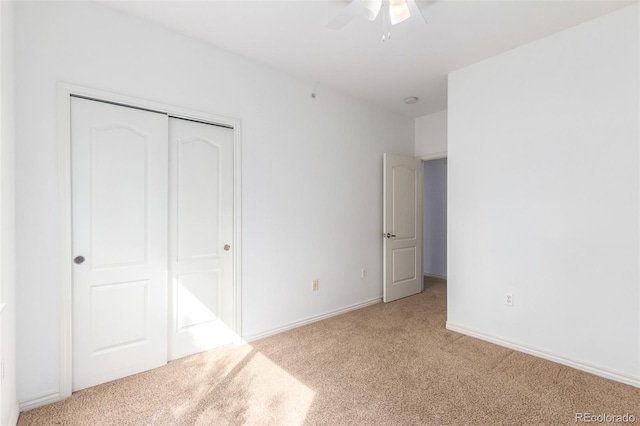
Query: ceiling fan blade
{"points": [[345, 16], [416, 15], [371, 8]]}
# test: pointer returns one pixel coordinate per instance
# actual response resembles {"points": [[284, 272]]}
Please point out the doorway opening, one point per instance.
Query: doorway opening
{"points": [[435, 219]]}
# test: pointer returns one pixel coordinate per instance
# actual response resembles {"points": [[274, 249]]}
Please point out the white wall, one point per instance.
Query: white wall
{"points": [[435, 218], [8, 413], [431, 135], [312, 169], [543, 195]]}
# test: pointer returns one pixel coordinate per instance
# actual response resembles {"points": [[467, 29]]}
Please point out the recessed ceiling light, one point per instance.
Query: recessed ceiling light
{"points": [[411, 100]]}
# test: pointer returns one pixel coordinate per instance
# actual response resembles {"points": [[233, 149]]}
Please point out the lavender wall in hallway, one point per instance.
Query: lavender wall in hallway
{"points": [[435, 217]]}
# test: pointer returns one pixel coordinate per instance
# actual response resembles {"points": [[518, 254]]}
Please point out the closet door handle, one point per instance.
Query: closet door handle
{"points": [[78, 260]]}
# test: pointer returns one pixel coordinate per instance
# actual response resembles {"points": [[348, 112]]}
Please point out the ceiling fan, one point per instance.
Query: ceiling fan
{"points": [[393, 11]]}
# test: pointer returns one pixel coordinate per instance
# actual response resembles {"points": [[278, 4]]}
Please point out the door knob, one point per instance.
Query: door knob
{"points": [[227, 247], [78, 260], [389, 235]]}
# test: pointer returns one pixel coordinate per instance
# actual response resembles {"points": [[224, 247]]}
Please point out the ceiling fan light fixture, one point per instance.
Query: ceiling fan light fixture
{"points": [[398, 11]]}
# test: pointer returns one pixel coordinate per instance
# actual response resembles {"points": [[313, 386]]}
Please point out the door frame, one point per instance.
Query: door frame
{"points": [[65, 275]]}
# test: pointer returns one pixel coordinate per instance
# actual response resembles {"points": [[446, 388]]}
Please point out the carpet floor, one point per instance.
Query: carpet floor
{"points": [[388, 364]]}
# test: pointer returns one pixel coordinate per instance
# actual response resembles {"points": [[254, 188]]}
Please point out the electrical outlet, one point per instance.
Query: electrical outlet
{"points": [[363, 272], [314, 285], [508, 299]]}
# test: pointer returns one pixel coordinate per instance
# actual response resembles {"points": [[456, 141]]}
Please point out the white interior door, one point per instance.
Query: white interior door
{"points": [[402, 231], [201, 248], [119, 206]]}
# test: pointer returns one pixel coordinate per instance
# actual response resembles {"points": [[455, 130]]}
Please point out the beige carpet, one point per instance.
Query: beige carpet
{"points": [[389, 364]]}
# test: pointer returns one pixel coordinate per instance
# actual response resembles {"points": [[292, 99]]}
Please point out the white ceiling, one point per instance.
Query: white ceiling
{"points": [[291, 36]]}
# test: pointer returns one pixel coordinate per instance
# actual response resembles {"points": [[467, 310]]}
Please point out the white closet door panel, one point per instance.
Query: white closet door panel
{"points": [[198, 198], [118, 196], [119, 305], [120, 204], [197, 298], [201, 226]]}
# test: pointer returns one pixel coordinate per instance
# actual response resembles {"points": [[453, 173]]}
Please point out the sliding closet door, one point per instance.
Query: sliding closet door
{"points": [[119, 206], [201, 230]]}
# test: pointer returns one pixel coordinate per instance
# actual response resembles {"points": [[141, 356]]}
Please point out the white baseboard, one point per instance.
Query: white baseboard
{"points": [[578, 365], [311, 320], [40, 401], [429, 275]]}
